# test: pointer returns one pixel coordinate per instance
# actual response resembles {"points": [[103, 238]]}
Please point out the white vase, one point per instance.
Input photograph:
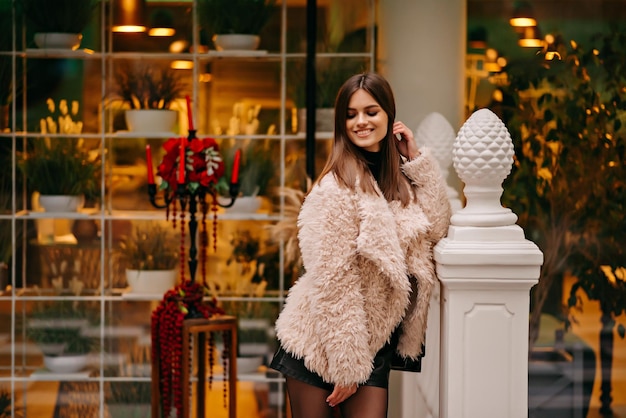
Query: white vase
{"points": [[151, 282], [245, 204], [236, 42], [151, 120], [56, 40], [61, 203], [71, 363]]}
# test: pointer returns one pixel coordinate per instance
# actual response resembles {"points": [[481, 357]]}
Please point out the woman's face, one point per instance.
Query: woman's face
{"points": [[366, 123]]}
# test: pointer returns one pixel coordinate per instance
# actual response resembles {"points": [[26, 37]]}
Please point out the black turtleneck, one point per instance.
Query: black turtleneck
{"points": [[374, 162]]}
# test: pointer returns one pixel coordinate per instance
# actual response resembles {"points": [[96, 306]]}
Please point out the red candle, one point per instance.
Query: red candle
{"points": [[149, 164], [234, 179], [189, 117], [181, 162]]}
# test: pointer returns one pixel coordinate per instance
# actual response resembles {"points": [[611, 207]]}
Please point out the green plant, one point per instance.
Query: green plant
{"points": [[148, 87], [150, 247], [235, 16], [257, 169], [6, 404], [61, 322], [66, 16], [568, 180], [61, 165]]}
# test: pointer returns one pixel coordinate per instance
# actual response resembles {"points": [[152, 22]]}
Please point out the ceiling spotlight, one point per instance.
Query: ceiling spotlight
{"points": [[523, 15], [129, 16]]}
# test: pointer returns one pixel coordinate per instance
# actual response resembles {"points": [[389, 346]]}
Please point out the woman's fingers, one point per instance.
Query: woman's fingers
{"points": [[340, 394]]}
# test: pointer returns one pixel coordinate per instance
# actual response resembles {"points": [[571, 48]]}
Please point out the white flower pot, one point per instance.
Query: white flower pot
{"points": [[56, 40], [236, 42], [151, 282], [151, 120], [61, 203], [66, 363], [245, 204]]}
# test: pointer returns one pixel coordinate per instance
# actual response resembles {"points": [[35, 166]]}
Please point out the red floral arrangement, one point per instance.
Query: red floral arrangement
{"points": [[167, 340], [190, 171], [203, 164]]}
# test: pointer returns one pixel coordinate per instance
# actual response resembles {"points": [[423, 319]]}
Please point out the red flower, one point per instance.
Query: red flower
{"points": [[203, 164]]}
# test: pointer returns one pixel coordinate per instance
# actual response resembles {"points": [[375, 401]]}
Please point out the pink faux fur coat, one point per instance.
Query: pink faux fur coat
{"points": [[358, 250]]}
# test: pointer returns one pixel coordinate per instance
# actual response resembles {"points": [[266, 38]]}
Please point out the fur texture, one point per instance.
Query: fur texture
{"points": [[358, 251]]}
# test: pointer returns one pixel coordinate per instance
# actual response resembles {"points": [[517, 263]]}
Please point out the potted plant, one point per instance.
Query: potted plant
{"points": [[235, 24], [63, 170], [60, 329], [58, 24], [150, 256], [257, 171], [149, 93]]}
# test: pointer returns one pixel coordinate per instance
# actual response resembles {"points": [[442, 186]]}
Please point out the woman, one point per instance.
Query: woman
{"points": [[366, 232]]}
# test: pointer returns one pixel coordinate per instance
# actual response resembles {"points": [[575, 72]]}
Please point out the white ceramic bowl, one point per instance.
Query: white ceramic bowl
{"points": [[66, 363]]}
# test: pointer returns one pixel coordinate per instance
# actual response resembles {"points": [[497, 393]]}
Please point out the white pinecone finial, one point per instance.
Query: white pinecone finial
{"points": [[483, 157], [436, 133]]}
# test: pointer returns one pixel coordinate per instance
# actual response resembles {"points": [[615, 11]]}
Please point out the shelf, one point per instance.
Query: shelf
{"points": [[240, 54], [61, 53], [134, 135]]}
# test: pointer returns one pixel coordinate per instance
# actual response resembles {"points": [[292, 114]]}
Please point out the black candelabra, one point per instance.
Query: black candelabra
{"points": [[190, 198]]}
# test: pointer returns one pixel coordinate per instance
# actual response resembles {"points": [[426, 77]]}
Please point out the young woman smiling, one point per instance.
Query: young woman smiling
{"points": [[366, 232]]}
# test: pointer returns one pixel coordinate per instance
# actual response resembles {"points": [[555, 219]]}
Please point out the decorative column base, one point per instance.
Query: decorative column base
{"points": [[486, 275]]}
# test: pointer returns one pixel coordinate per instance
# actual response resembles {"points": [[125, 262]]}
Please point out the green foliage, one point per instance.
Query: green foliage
{"points": [[56, 322], [568, 182], [257, 170], [150, 246], [61, 166], [148, 87], [235, 16], [66, 16], [6, 403]]}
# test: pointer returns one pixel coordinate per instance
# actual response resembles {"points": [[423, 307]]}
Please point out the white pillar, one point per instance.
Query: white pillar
{"points": [[486, 268]]}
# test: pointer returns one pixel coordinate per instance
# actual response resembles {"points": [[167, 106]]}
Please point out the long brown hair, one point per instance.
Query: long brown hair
{"points": [[348, 164]]}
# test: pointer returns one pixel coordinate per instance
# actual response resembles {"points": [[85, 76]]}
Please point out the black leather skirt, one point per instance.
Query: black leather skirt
{"points": [[292, 367]]}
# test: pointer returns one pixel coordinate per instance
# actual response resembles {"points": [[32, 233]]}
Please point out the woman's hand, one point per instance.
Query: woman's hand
{"points": [[406, 142], [340, 394]]}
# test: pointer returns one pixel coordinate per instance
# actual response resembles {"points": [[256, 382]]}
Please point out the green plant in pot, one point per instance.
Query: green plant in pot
{"points": [[235, 24], [150, 256], [61, 167], [148, 92], [61, 328], [59, 23], [257, 172]]}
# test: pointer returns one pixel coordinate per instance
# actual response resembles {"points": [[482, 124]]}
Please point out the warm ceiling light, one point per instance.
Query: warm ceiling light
{"points": [[178, 46], [129, 16], [523, 15], [162, 23], [531, 38], [181, 65]]}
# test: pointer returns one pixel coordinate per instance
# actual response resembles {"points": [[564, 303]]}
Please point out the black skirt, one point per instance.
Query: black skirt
{"points": [[292, 367]]}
